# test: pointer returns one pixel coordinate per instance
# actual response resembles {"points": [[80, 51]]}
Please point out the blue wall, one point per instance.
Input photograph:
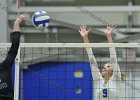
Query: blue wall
{"points": [[56, 81]]}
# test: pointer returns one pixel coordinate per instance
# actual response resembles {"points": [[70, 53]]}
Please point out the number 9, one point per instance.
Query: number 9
{"points": [[104, 92]]}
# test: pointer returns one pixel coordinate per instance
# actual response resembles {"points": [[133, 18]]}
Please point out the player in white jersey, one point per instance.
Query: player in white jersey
{"points": [[107, 85]]}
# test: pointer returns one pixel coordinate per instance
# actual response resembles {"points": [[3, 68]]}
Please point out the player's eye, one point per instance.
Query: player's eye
{"points": [[108, 66]]}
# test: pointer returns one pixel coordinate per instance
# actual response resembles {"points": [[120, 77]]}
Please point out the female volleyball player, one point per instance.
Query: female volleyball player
{"points": [[107, 84], [6, 92]]}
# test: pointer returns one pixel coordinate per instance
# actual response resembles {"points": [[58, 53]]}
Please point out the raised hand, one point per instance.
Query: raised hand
{"points": [[84, 30], [108, 31], [21, 17], [18, 21]]}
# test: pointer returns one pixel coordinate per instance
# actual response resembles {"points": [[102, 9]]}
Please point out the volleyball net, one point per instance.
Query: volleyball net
{"points": [[54, 71]]}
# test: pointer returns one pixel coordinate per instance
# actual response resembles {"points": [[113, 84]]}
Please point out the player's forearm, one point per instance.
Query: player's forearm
{"points": [[91, 57], [15, 44], [86, 40], [16, 26], [113, 55], [13, 50], [112, 50], [109, 38], [89, 50], [15, 37]]}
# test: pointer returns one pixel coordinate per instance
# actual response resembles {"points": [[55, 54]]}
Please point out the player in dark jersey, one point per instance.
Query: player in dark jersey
{"points": [[6, 91]]}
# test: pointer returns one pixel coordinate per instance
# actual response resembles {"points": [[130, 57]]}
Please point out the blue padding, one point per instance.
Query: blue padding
{"points": [[13, 75], [56, 81]]}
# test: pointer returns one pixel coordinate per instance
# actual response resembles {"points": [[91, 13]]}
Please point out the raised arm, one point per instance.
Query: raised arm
{"points": [[113, 57], [93, 63], [15, 41]]}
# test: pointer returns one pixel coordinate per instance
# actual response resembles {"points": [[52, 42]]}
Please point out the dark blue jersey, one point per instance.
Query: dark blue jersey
{"points": [[6, 91]]}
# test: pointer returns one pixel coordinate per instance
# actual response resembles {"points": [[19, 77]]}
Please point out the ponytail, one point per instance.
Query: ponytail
{"points": [[123, 76]]}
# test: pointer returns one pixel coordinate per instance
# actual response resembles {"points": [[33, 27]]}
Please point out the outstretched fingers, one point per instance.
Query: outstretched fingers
{"points": [[88, 29], [84, 28]]}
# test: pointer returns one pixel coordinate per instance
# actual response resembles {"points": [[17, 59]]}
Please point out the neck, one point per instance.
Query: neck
{"points": [[106, 79]]}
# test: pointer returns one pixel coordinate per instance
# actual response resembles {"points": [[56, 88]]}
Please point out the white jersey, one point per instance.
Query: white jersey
{"points": [[113, 89]]}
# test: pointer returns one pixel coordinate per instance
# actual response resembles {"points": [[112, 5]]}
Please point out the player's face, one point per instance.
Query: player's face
{"points": [[107, 70]]}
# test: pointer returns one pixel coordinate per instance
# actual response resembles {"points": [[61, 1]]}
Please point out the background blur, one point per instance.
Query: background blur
{"points": [[68, 15]]}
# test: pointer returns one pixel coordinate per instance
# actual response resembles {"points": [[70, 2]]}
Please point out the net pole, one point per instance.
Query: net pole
{"points": [[16, 83], [18, 6]]}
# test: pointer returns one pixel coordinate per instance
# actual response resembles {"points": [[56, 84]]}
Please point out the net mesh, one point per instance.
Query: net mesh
{"points": [[54, 73]]}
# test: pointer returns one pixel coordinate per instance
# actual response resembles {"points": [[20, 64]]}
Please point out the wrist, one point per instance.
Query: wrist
{"points": [[85, 36], [108, 36], [16, 22], [86, 40], [16, 26]]}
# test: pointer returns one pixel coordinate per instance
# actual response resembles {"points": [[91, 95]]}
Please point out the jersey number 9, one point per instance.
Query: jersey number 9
{"points": [[105, 93]]}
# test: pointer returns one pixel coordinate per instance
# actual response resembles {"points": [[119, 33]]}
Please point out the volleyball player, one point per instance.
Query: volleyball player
{"points": [[107, 84], [6, 92]]}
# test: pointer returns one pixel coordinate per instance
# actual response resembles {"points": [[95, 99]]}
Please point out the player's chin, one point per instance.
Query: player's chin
{"points": [[103, 73]]}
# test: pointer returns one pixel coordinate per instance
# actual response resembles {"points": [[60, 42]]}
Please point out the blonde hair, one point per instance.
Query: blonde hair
{"points": [[123, 76]]}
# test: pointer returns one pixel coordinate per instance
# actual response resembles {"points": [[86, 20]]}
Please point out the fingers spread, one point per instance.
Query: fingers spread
{"points": [[89, 29]]}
